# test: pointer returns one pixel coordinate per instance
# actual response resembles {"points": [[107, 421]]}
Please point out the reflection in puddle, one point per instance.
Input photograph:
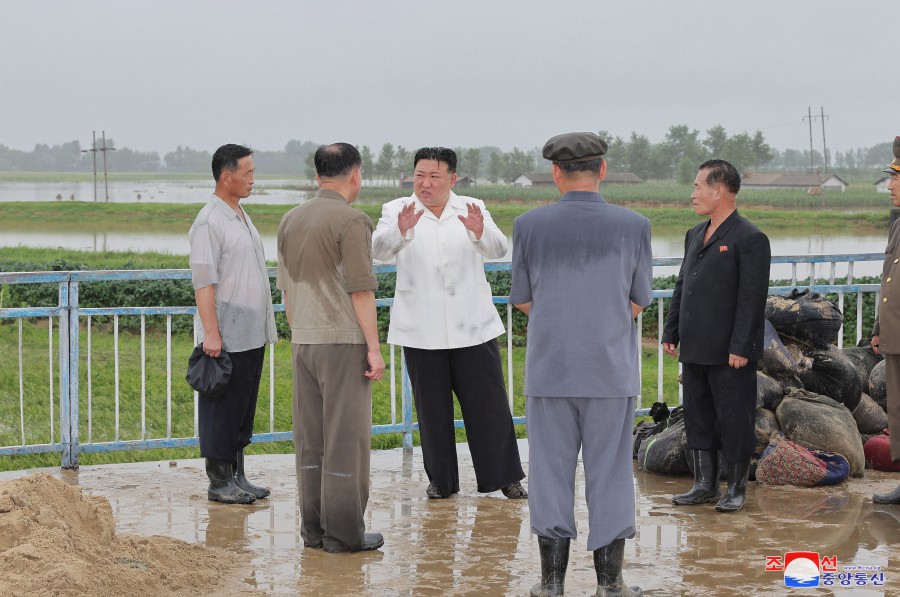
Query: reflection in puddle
{"points": [[475, 544]]}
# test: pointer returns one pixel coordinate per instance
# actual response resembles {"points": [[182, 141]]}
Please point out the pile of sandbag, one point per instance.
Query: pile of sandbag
{"points": [[823, 399]]}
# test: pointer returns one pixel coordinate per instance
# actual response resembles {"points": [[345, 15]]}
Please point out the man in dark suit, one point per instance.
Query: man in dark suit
{"points": [[717, 314]]}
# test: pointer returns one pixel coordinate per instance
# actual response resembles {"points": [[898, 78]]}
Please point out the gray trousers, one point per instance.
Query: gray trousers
{"points": [[332, 411], [892, 381], [601, 429]]}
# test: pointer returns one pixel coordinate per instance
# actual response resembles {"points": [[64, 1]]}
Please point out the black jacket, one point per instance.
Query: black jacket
{"points": [[718, 306]]}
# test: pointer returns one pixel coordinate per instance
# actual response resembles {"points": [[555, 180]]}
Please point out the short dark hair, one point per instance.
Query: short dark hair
{"points": [[584, 166], [438, 154], [722, 172], [227, 158], [336, 160]]}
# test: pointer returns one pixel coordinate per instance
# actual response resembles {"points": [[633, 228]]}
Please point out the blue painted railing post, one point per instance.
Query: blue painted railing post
{"points": [[64, 360], [70, 457], [406, 406]]}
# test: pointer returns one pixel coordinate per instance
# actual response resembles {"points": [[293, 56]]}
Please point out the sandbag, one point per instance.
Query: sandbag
{"points": [[662, 419], [819, 423], [776, 360], [798, 351], [787, 463], [878, 453], [864, 360], [765, 427], [869, 417], [768, 392], [878, 385], [837, 469], [864, 437], [833, 375], [806, 316], [664, 452]]}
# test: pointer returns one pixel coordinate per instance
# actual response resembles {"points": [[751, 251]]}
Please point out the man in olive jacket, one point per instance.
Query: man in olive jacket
{"points": [[886, 332], [717, 315]]}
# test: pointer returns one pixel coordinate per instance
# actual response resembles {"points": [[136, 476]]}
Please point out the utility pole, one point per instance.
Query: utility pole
{"points": [[94, 149], [822, 115], [104, 149], [810, 118]]}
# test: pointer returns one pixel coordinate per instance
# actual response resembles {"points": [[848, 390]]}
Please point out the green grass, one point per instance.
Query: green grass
{"points": [[36, 399], [165, 217]]}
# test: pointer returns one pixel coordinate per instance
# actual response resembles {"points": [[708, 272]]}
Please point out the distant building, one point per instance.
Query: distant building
{"points": [[622, 178], [881, 184], [825, 182], [534, 179], [461, 183], [543, 179]]}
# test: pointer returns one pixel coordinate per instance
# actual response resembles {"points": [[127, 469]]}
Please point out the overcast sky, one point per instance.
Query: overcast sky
{"points": [[161, 73]]}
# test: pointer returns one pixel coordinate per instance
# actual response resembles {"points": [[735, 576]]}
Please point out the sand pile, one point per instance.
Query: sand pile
{"points": [[56, 540]]}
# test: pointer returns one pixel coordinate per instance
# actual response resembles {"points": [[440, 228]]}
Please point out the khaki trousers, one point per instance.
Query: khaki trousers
{"points": [[892, 381], [332, 411]]}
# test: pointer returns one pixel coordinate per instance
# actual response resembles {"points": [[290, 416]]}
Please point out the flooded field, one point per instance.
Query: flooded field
{"points": [[150, 191]]}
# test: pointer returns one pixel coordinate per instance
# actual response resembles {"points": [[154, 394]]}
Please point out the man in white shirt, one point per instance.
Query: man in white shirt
{"points": [[234, 304], [444, 317]]}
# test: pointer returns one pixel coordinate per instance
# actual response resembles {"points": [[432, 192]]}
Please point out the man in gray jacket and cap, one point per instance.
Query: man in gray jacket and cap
{"points": [[582, 270]]}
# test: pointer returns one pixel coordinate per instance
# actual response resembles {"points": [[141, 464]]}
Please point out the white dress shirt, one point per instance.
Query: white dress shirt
{"points": [[442, 298]]}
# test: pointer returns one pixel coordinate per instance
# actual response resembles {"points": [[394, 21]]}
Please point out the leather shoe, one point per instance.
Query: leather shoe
{"points": [[370, 541], [434, 493], [515, 491], [887, 498]]}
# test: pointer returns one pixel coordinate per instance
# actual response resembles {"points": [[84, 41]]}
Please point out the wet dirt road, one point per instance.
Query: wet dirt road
{"points": [[473, 544]]}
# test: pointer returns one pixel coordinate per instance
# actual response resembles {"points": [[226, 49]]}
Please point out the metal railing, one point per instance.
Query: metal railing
{"points": [[69, 395]]}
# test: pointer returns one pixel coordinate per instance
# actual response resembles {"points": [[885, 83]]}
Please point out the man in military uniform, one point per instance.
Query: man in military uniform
{"points": [[886, 332]]}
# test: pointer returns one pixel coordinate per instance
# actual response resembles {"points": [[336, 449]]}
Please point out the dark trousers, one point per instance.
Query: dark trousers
{"points": [[475, 375], [226, 421], [720, 409], [332, 411]]}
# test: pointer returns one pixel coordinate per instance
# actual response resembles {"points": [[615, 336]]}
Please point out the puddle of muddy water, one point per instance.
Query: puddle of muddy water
{"points": [[477, 544]]}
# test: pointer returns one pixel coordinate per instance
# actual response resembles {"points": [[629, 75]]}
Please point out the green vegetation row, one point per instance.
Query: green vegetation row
{"points": [[37, 374], [773, 211], [180, 292]]}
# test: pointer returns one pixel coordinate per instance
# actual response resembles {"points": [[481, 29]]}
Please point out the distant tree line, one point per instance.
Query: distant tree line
{"points": [[676, 157]]}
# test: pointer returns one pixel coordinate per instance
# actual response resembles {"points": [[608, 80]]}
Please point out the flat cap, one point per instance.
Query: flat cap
{"points": [[574, 147], [894, 167]]}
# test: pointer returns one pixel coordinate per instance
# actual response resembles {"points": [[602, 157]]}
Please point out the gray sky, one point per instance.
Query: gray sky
{"points": [[156, 74]]}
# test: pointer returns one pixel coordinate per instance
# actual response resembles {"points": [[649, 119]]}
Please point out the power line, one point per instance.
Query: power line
{"points": [[94, 149], [821, 116]]}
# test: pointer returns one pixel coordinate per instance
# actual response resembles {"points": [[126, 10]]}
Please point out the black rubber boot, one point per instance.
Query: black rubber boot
{"points": [[887, 498], [706, 480], [222, 487], [554, 561], [736, 494], [241, 480], [608, 564]]}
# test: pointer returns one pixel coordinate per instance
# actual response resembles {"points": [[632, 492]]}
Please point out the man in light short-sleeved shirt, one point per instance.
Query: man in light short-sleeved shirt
{"points": [[234, 304]]}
